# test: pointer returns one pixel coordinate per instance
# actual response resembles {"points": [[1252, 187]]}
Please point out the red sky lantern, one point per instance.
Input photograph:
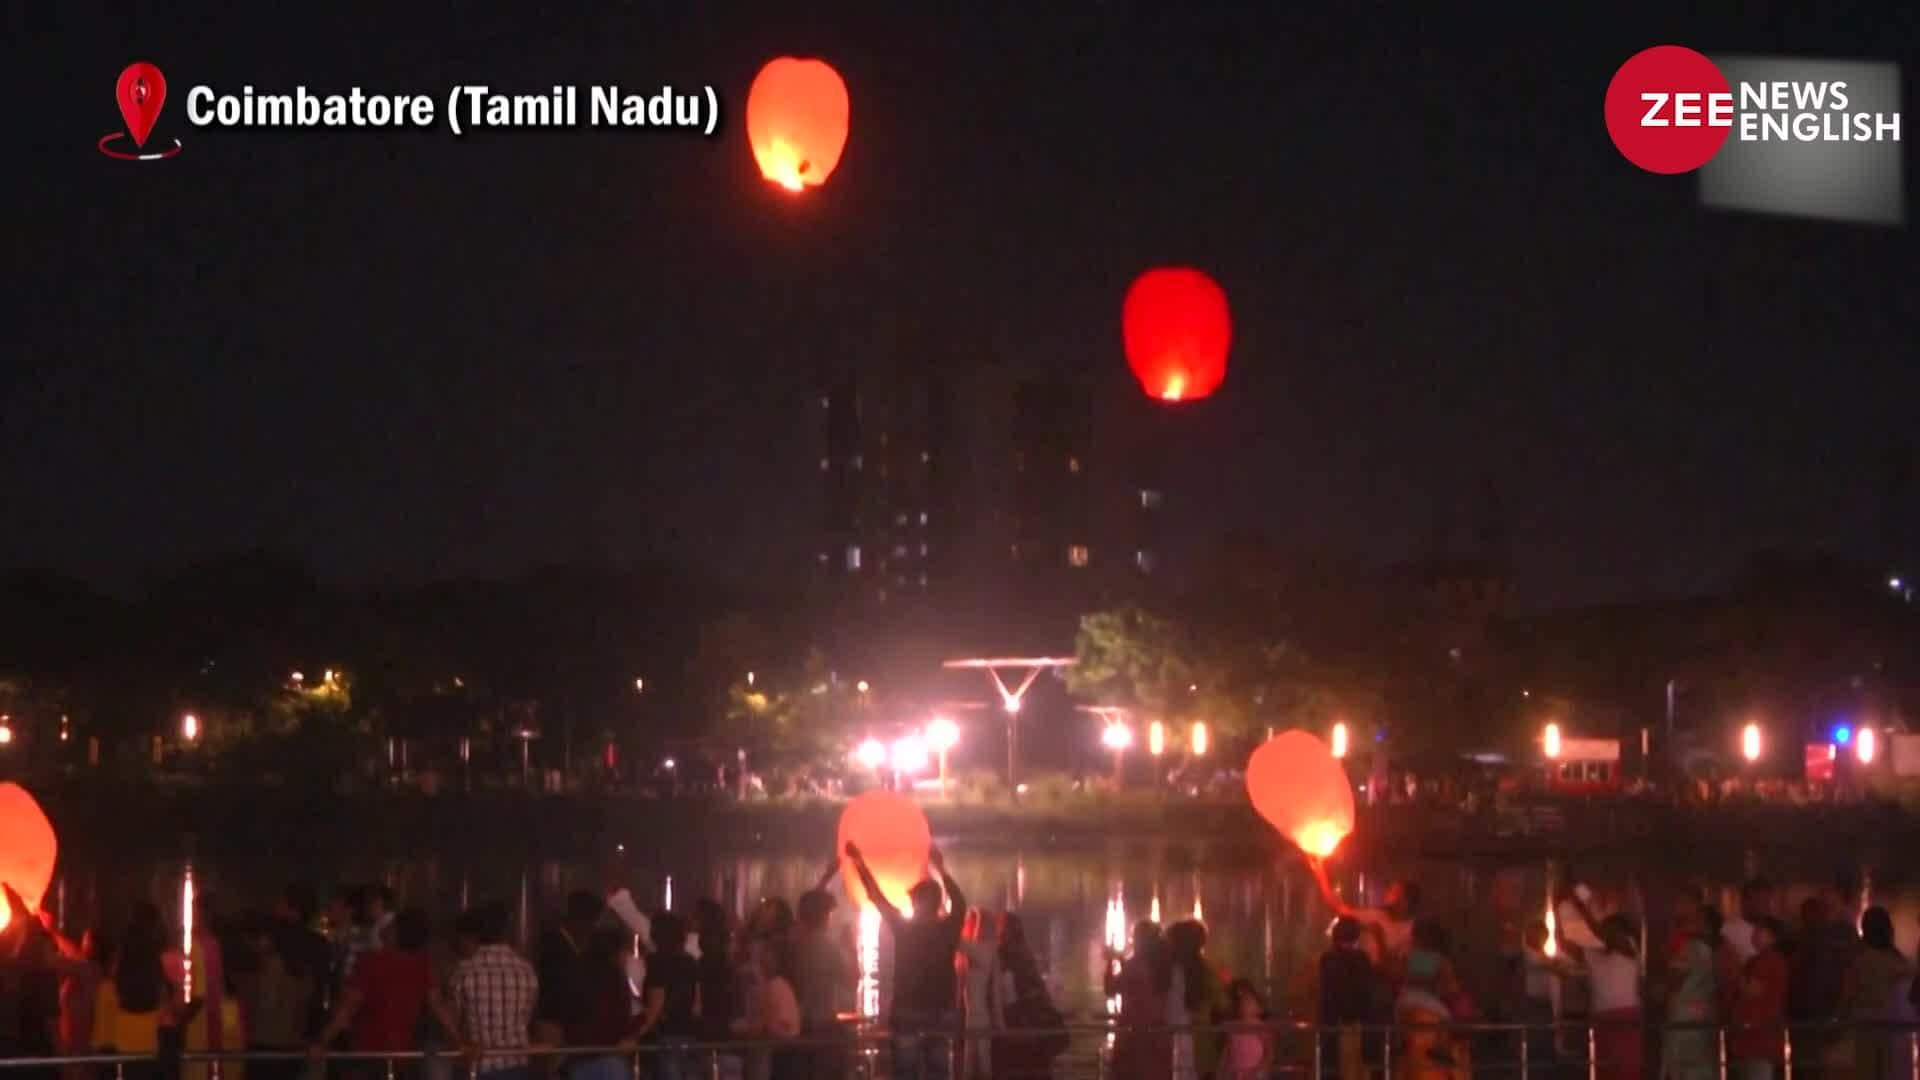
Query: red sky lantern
{"points": [[893, 837], [1176, 329], [797, 121], [1302, 790], [27, 847]]}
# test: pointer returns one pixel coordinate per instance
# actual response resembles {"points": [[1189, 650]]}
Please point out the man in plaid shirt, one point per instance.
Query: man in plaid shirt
{"points": [[493, 992]]}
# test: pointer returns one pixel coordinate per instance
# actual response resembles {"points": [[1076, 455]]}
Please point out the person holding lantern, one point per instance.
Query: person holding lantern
{"points": [[925, 1020]]}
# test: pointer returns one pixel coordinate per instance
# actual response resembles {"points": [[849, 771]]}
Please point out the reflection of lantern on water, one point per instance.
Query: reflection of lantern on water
{"points": [[1296, 783], [869, 948], [1116, 942], [797, 121], [28, 849]]}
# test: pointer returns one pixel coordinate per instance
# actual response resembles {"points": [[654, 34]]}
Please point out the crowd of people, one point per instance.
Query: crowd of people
{"points": [[309, 991], [306, 990]]}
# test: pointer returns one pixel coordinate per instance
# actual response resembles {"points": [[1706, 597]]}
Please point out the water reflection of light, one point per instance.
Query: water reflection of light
{"points": [[186, 933], [668, 901], [1154, 913], [869, 962], [1553, 920]]}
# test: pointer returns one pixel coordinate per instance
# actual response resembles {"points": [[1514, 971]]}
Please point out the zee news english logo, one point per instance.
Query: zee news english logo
{"points": [[1670, 110]]}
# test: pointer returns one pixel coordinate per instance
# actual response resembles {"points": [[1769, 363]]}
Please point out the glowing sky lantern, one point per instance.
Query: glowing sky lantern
{"points": [[1302, 790], [797, 121], [27, 847], [1176, 329], [893, 837]]}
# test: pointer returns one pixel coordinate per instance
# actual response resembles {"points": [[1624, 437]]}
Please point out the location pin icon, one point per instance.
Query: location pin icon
{"points": [[141, 91]]}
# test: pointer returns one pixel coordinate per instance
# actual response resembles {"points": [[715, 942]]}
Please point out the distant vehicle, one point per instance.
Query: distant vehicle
{"points": [[1585, 767]]}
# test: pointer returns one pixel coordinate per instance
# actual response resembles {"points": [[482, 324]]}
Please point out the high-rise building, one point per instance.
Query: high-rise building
{"points": [[1051, 506], [886, 486]]}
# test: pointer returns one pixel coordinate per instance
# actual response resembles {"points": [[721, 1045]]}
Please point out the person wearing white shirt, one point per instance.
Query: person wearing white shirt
{"points": [[1756, 904]]}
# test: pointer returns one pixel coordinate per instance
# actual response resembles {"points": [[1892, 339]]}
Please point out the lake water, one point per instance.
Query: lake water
{"points": [[1265, 920]]}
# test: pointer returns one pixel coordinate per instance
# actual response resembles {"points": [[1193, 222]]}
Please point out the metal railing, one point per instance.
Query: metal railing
{"points": [[1561, 1051]]}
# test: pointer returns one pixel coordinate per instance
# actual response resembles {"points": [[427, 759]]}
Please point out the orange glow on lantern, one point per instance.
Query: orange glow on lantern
{"points": [[28, 848], [1302, 790], [1176, 329], [893, 837], [797, 121]]}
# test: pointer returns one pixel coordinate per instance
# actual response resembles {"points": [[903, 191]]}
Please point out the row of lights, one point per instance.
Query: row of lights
{"points": [[1117, 737], [911, 753], [1865, 744]]}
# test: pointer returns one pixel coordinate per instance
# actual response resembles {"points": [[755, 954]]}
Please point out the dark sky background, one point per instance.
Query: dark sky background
{"points": [[405, 354]]}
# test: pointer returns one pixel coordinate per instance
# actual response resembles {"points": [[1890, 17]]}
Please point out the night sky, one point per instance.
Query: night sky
{"points": [[406, 354]]}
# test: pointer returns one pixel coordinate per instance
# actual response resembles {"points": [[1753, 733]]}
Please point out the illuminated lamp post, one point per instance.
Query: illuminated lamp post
{"points": [[1117, 737], [1750, 743], [942, 735], [1338, 743], [1010, 699], [1198, 742]]}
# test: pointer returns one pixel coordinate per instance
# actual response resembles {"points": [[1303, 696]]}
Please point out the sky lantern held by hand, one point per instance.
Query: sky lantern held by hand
{"points": [[893, 837], [1302, 790], [797, 121], [1176, 330], [27, 847]]}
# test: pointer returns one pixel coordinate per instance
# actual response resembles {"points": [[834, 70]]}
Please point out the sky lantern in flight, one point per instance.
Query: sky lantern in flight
{"points": [[893, 837], [1176, 329], [27, 847], [797, 121], [1302, 790]]}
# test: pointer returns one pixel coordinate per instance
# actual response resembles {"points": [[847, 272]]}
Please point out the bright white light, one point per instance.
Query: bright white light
{"points": [[910, 754], [1339, 742], [1894, 584], [6, 735], [329, 675], [942, 734], [1199, 740], [639, 685], [1551, 741], [189, 727], [1750, 742], [1010, 703], [871, 754], [668, 764], [1156, 738], [1117, 737], [1863, 744], [861, 686], [749, 678], [298, 677]]}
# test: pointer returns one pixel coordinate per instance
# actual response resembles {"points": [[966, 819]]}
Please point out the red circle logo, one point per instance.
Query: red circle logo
{"points": [[1669, 110]]}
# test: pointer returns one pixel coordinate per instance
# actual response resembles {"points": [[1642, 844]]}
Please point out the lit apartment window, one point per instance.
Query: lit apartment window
{"points": [[1016, 552], [1149, 499], [900, 519], [859, 463], [1144, 560], [925, 457], [899, 551], [923, 517], [853, 558], [823, 558], [824, 466], [1077, 556], [923, 551], [923, 581], [1073, 464], [824, 403]]}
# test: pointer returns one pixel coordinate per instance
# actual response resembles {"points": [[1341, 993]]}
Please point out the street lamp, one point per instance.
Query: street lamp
{"points": [[6, 731], [1156, 738], [639, 686], [871, 754], [942, 735], [1117, 737], [1863, 745], [1199, 741], [190, 727], [862, 686], [1550, 741], [1339, 740], [1750, 742], [909, 757]]}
